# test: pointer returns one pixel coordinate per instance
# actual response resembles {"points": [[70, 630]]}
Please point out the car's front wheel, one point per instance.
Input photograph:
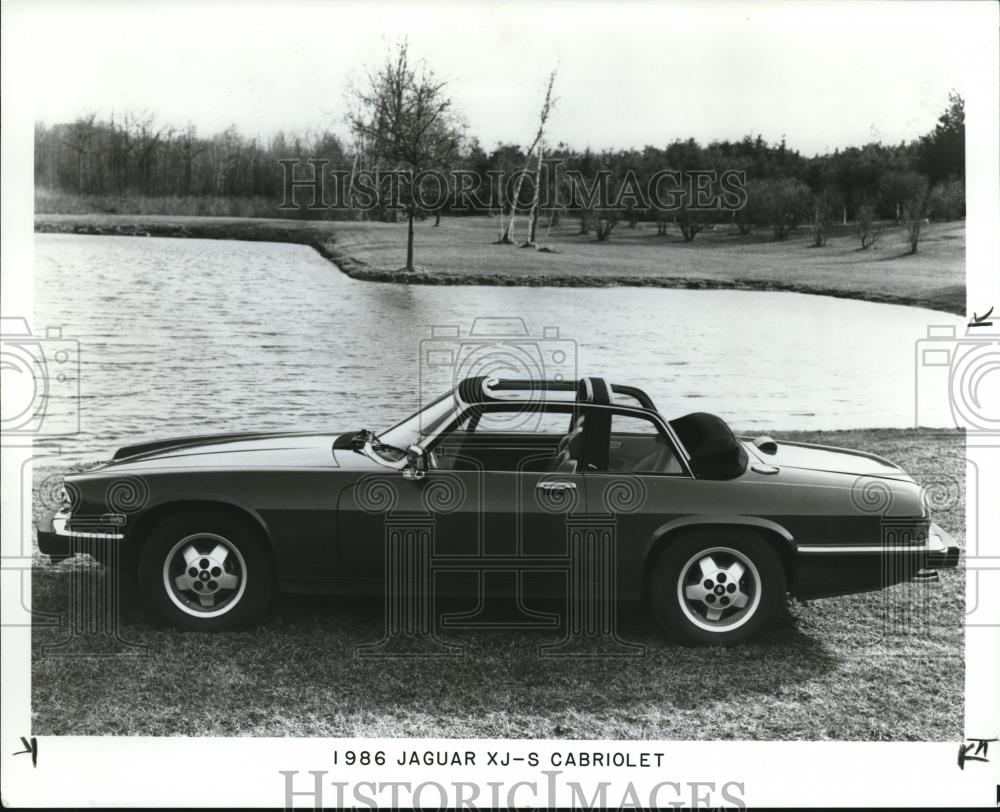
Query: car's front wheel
{"points": [[717, 586], [206, 570]]}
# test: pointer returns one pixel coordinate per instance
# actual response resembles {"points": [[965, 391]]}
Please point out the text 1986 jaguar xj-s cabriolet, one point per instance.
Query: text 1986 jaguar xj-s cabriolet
{"points": [[579, 489]]}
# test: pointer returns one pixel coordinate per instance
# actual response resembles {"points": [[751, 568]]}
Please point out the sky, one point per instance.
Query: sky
{"points": [[629, 73]]}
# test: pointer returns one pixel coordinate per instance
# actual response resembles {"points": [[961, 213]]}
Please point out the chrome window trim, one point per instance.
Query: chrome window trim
{"points": [[430, 441], [664, 425]]}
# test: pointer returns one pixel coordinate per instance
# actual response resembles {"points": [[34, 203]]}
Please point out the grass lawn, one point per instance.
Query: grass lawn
{"points": [[832, 669], [460, 251]]}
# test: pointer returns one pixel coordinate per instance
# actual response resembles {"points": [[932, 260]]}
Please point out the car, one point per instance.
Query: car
{"points": [[579, 490]]}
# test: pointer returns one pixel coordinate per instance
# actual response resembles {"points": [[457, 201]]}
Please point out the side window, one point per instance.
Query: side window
{"points": [[636, 445], [508, 439], [547, 422], [622, 399]]}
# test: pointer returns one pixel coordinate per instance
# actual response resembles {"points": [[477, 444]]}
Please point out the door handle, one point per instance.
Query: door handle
{"points": [[556, 486]]}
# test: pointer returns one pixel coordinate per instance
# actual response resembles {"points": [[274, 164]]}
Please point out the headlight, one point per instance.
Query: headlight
{"points": [[66, 503]]}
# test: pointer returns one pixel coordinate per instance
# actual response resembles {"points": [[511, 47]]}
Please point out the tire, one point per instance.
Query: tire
{"points": [[206, 570], [747, 586]]}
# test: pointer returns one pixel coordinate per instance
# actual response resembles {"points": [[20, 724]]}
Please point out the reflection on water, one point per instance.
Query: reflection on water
{"points": [[195, 336]]}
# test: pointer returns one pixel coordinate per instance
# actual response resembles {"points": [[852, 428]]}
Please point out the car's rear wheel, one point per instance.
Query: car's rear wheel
{"points": [[206, 570], [717, 586]]}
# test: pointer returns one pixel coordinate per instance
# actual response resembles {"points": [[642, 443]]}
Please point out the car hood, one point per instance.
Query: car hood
{"points": [[241, 450], [827, 459]]}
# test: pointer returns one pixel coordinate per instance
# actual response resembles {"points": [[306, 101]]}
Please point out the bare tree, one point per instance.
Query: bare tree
{"points": [[778, 202], [507, 236], [147, 137], [947, 200], [690, 219], [868, 230], [690, 222], [407, 122], [189, 150], [596, 194], [533, 214], [605, 219], [662, 219], [824, 211], [913, 212], [78, 138], [743, 220]]}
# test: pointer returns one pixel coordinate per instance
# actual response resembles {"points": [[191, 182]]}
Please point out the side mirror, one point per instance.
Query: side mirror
{"points": [[416, 463]]}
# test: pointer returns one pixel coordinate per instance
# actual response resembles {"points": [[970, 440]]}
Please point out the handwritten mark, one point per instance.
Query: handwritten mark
{"points": [[981, 745], [980, 321], [29, 747]]}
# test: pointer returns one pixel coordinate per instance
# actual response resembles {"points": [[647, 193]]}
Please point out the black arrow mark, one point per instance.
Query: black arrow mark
{"points": [[29, 747]]}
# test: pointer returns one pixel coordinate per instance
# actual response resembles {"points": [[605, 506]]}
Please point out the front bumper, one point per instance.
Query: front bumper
{"points": [[58, 541]]}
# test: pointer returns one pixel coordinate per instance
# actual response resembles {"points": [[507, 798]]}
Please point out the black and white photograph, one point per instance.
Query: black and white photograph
{"points": [[500, 404]]}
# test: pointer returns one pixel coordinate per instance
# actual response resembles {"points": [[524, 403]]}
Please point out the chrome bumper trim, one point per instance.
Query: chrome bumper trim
{"points": [[60, 528], [935, 544]]}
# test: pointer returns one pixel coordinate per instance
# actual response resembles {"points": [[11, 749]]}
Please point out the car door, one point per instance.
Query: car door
{"points": [[641, 484], [492, 510]]}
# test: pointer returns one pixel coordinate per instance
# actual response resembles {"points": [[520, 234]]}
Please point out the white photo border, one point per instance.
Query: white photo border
{"points": [[114, 771]]}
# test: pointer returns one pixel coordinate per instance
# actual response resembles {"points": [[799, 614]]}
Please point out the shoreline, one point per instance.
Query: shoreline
{"points": [[321, 235]]}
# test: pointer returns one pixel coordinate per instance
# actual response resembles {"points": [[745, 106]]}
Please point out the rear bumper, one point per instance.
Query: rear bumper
{"points": [[943, 551], [58, 541], [824, 570]]}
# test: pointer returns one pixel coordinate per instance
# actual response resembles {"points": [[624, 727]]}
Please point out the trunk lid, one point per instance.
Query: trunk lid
{"points": [[811, 457]]}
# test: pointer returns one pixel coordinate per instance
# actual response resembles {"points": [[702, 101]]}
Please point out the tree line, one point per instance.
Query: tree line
{"points": [[136, 154], [401, 117]]}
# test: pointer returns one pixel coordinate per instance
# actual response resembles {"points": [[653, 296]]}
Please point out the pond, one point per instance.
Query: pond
{"points": [[179, 336]]}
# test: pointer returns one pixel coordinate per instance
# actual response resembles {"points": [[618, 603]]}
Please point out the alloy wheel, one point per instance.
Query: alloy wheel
{"points": [[719, 589], [204, 575]]}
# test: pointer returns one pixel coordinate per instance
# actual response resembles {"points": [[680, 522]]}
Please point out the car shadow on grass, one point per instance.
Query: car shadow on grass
{"points": [[308, 669], [640, 663]]}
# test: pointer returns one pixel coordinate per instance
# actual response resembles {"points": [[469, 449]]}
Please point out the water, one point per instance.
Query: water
{"points": [[182, 336]]}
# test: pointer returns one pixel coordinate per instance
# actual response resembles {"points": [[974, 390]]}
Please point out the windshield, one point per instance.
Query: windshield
{"points": [[415, 428]]}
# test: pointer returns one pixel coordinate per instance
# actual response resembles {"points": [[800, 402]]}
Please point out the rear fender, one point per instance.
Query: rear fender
{"points": [[783, 538]]}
